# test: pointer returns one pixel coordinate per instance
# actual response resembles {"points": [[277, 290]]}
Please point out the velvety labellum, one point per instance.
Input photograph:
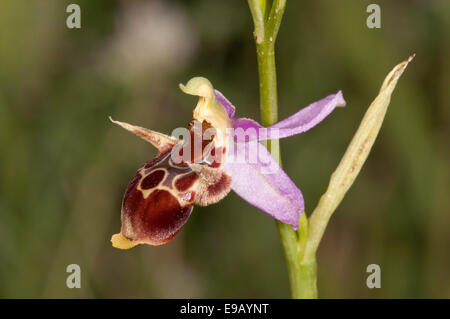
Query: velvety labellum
{"points": [[160, 197]]}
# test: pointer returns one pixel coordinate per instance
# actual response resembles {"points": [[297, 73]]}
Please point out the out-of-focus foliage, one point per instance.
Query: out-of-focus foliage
{"points": [[64, 166]]}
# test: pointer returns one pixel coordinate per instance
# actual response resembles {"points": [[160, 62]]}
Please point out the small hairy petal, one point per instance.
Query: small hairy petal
{"points": [[263, 183], [226, 104], [161, 141], [297, 123]]}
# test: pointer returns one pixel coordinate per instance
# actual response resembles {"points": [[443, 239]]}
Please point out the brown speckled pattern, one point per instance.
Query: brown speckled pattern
{"points": [[160, 197]]}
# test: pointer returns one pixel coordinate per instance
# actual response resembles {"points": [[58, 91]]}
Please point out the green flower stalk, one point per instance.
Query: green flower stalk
{"points": [[300, 246]]}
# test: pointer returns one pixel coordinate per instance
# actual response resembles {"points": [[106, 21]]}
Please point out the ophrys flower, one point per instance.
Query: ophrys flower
{"points": [[218, 152]]}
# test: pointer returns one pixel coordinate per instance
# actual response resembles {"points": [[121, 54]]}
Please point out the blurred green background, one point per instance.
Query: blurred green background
{"points": [[64, 167]]}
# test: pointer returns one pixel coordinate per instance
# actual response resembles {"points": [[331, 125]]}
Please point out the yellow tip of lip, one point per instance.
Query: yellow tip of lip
{"points": [[120, 242]]}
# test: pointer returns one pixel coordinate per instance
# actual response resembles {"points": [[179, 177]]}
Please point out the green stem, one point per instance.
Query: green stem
{"points": [[300, 247], [302, 277], [267, 82]]}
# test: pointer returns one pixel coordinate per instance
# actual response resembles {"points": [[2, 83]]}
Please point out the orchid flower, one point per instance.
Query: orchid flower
{"points": [[160, 198]]}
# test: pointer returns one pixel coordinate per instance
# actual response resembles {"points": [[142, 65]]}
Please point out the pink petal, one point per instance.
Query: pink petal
{"points": [[300, 122], [258, 179], [226, 104]]}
